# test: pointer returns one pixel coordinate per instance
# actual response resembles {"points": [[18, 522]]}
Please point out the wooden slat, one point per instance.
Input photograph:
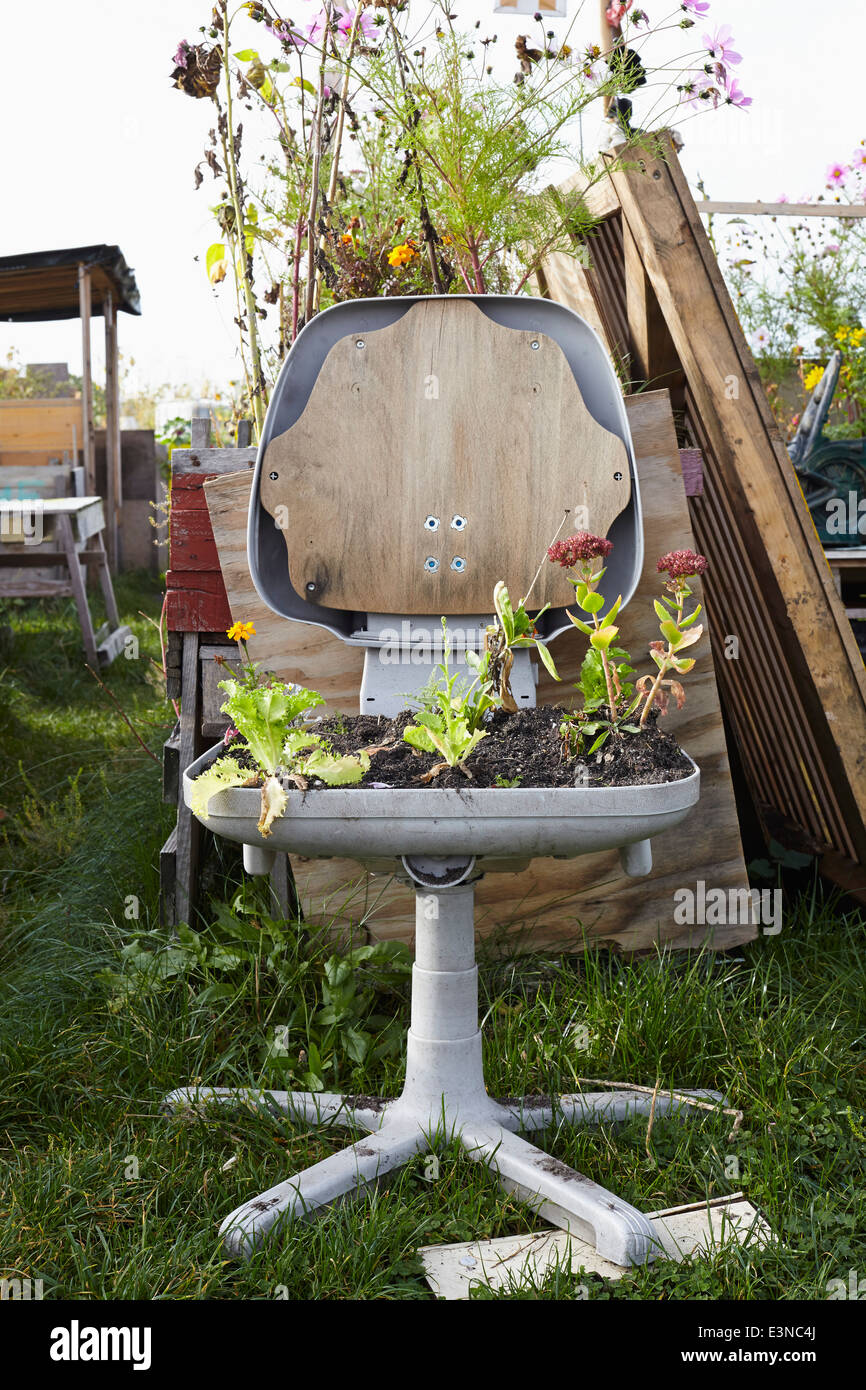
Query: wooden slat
{"points": [[38, 426], [708, 206], [560, 901]]}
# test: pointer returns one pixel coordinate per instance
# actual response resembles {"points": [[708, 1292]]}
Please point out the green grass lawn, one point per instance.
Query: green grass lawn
{"points": [[101, 1013]]}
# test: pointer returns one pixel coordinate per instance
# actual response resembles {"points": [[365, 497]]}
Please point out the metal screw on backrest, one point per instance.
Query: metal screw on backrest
{"points": [[458, 563], [617, 477], [458, 523], [431, 523], [431, 564], [360, 343], [535, 345]]}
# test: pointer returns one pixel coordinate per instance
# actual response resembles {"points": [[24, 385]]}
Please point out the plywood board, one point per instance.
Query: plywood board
{"points": [[38, 425], [555, 902], [414, 490]]}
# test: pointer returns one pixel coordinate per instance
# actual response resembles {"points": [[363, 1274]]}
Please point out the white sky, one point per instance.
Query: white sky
{"points": [[99, 147]]}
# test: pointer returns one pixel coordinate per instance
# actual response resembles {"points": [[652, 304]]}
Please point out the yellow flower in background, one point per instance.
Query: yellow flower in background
{"points": [[402, 255], [240, 632], [841, 334], [856, 336], [811, 379]]}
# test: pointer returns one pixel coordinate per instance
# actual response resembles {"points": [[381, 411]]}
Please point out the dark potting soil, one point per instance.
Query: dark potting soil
{"points": [[524, 749]]}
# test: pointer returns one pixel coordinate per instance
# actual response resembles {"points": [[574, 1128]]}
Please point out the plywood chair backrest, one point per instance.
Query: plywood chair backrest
{"points": [[434, 457]]}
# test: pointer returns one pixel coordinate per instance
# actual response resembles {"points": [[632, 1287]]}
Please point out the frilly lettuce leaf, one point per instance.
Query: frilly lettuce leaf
{"points": [[336, 771], [274, 803], [225, 772], [265, 716]]}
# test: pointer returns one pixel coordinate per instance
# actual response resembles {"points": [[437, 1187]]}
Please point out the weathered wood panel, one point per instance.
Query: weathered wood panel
{"points": [[380, 492]]}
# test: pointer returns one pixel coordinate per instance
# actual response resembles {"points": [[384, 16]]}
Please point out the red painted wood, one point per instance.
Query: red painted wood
{"points": [[192, 546], [187, 491], [198, 610]]}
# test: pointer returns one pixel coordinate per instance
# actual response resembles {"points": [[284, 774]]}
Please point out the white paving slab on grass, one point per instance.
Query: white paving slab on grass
{"points": [[683, 1233]]}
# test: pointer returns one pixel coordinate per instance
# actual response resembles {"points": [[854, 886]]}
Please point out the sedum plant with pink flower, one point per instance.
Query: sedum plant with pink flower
{"points": [[604, 675]]}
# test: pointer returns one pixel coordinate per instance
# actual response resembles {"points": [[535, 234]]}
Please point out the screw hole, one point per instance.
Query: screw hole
{"points": [[360, 343], [535, 345]]}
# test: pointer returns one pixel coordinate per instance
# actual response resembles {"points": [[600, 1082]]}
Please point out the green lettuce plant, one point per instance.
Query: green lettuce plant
{"points": [[267, 717]]}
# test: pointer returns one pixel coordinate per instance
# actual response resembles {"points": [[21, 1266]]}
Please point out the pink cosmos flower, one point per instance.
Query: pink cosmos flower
{"points": [[719, 45], [832, 248], [783, 198], [695, 6], [858, 158], [701, 91], [366, 24], [316, 28], [734, 94], [837, 174]]}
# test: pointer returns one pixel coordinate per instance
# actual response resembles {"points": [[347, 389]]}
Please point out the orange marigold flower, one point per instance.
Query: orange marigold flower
{"points": [[346, 238], [401, 255], [240, 632]]}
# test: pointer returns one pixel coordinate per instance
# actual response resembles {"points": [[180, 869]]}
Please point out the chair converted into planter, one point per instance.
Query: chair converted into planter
{"points": [[415, 452]]}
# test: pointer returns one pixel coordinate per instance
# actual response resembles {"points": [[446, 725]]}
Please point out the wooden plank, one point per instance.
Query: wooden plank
{"points": [[560, 901], [76, 580], [444, 453], [819, 686], [213, 722], [38, 425], [213, 461], [200, 609], [708, 206], [87, 441], [188, 828], [114, 481], [653, 355], [168, 881], [191, 545], [113, 645]]}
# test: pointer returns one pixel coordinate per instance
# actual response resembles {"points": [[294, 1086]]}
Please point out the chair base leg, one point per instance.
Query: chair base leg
{"points": [[397, 1130]]}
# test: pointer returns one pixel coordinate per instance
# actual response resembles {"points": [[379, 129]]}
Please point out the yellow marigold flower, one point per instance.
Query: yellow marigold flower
{"points": [[842, 334], [811, 379], [240, 632], [856, 336], [401, 255]]}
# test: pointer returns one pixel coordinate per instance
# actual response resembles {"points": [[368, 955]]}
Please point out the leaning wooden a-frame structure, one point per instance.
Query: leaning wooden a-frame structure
{"points": [[791, 677]]}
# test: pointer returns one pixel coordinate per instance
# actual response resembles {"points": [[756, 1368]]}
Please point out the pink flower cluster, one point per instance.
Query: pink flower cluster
{"points": [[715, 84], [581, 547], [681, 564], [313, 32]]}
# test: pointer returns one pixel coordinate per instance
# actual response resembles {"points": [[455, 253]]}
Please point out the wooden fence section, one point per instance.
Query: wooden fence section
{"points": [[556, 902], [790, 673]]}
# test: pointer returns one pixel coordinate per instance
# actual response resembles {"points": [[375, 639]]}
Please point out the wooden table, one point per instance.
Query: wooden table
{"points": [[65, 531]]}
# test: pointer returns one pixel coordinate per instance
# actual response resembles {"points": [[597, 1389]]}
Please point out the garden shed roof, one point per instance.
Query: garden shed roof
{"points": [[42, 285]]}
